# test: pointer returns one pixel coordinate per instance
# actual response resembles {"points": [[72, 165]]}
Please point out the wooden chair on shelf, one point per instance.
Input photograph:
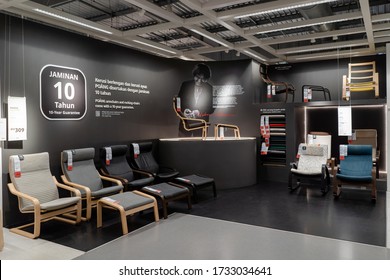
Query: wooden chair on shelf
{"points": [[276, 87], [220, 127], [308, 91], [361, 77]]}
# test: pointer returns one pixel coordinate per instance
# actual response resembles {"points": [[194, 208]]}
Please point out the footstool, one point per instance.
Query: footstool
{"points": [[196, 182], [127, 203], [166, 192]]}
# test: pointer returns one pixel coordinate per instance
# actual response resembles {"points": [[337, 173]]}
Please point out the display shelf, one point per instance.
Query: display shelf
{"points": [[273, 137]]}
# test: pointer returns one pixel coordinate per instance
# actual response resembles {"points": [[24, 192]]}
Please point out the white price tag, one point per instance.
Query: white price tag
{"points": [[136, 150], [343, 151], [108, 155]]}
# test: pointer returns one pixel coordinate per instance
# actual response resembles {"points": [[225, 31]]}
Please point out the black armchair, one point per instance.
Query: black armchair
{"points": [[142, 159], [114, 164]]}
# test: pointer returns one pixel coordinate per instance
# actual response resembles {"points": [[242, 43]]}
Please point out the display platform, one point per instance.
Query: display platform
{"points": [[230, 161]]}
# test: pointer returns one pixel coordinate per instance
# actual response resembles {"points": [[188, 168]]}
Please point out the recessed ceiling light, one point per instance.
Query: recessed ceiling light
{"points": [[153, 46], [285, 8], [71, 21]]}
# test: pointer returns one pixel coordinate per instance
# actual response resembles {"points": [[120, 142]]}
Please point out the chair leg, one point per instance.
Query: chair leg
{"points": [[37, 224], [290, 182], [165, 208], [325, 181], [336, 190], [194, 194], [99, 219], [373, 190], [155, 210], [125, 229], [214, 190], [189, 203]]}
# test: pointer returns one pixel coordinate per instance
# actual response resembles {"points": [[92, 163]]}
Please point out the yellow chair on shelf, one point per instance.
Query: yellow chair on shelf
{"points": [[361, 77]]}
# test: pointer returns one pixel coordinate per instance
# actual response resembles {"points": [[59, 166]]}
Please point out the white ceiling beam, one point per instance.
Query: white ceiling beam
{"points": [[263, 7], [151, 28], [211, 36], [365, 8], [319, 35], [382, 26], [336, 45], [228, 24], [6, 4], [385, 33], [154, 9], [379, 18], [304, 23], [216, 4], [333, 55], [204, 50]]}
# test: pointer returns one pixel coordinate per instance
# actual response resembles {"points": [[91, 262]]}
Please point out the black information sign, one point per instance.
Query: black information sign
{"points": [[63, 93]]}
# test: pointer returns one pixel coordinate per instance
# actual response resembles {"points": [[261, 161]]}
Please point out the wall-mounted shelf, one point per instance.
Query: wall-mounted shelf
{"points": [[273, 137]]}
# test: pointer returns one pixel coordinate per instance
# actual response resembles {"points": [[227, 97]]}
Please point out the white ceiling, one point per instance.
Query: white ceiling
{"points": [[264, 30]]}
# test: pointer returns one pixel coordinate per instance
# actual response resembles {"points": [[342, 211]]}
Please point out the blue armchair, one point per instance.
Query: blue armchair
{"points": [[356, 169]]}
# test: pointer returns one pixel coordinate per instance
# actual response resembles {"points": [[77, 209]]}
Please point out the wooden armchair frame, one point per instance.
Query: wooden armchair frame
{"points": [[235, 129], [196, 123], [286, 88], [337, 182], [41, 216], [90, 201], [361, 77]]}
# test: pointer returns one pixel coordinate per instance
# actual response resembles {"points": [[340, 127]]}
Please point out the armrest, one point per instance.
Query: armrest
{"points": [[112, 180], [294, 165], [66, 187], [194, 120], [77, 186], [34, 201], [167, 168], [142, 173], [123, 180]]}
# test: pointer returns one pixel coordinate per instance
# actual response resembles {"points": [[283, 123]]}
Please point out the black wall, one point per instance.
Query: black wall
{"points": [[28, 47]]}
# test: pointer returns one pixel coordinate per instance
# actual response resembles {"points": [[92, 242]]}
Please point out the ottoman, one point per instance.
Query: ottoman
{"points": [[196, 182], [127, 203], [166, 192]]}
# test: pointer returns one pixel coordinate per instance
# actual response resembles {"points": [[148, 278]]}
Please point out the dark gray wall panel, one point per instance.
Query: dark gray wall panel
{"points": [[232, 163]]}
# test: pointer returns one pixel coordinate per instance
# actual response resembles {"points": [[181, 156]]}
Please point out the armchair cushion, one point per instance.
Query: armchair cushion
{"points": [[84, 172], [311, 159], [357, 165], [145, 161]]}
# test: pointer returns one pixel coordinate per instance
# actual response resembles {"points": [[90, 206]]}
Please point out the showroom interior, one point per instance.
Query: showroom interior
{"points": [[93, 74]]}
